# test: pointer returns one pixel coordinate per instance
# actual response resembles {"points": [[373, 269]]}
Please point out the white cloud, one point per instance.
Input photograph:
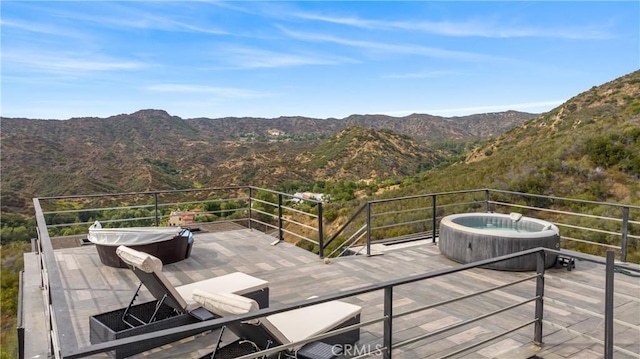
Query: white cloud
{"points": [[121, 15], [228, 92], [65, 62], [39, 28], [469, 28], [242, 57], [421, 75], [391, 48]]}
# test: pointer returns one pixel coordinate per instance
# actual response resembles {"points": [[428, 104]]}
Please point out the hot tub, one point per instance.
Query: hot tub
{"points": [[169, 244], [471, 237]]}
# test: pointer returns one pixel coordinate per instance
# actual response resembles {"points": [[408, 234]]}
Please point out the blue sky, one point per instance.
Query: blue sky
{"points": [[315, 59]]}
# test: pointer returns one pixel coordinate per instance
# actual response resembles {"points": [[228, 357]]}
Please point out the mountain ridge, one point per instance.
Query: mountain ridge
{"points": [[586, 147], [153, 150], [421, 126]]}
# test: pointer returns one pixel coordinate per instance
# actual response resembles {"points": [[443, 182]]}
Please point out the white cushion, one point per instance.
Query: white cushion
{"points": [[236, 283], [225, 304], [141, 260], [303, 323]]}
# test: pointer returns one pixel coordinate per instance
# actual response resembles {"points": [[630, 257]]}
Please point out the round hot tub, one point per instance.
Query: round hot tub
{"points": [[471, 237]]}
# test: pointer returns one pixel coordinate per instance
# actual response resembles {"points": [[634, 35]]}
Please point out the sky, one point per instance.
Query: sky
{"points": [[325, 59]]}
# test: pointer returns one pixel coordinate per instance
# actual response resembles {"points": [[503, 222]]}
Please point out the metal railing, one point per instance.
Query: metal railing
{"points": [[20, 320], [281, 211], [291, 217], [387, 316], [587, 226], [272, 209], [61, 336]]}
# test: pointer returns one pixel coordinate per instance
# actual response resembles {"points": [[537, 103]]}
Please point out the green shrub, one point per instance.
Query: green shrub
{"points": [[12, 263]]}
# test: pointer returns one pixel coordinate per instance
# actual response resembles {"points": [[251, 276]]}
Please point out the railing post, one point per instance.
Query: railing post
{"points": [[388, 314], [486, 201], [434, 209], [368, 229], [625, 233], [250, 207], [320, 233], [608, 305], [537, 335], [20, 323], [155, 202], [280, 217]]}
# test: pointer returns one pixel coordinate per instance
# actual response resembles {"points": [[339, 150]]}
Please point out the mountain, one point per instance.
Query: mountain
{"points": [[585, 148], [588, 147], [421, 127], [361, 153], [152, 150]]}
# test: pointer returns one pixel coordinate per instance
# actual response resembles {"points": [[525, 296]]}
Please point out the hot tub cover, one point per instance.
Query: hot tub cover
{"points": [[132, 235]]}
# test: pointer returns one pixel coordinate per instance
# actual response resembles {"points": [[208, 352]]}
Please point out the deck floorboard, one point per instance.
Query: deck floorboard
{"points": [[295, 274]]}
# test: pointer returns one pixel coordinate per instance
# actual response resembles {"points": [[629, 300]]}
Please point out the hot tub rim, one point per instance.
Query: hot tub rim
{"points": [[448, 221]]}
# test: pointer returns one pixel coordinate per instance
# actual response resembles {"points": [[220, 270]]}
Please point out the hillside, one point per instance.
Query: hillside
{"points": [[589, 147], [586, 148], [359, 153], [152, 150]]}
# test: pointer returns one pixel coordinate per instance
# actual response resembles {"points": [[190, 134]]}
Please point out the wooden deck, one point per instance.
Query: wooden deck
{"points": [[295, 274]]}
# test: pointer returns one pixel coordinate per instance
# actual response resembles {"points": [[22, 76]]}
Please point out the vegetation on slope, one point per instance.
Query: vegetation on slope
{"points": [[152, 150], [11, 263], [365, 154], [587, 148]]}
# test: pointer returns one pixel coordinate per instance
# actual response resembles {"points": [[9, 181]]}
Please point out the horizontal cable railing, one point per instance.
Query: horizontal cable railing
{"points": [[466, 322], [98, 209], [310, 215], [72, 215], [387, 218], [393, 217], [410, 210], [65, 344], [265, 224], [387, 317], [270, 215], [286, 220], [441, 303], [373, 228], [506, 204], [299, 236]]}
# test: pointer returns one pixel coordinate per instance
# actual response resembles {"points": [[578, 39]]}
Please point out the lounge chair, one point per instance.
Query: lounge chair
{"points": [[286, 327], [173, 306], [149, 270]]}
